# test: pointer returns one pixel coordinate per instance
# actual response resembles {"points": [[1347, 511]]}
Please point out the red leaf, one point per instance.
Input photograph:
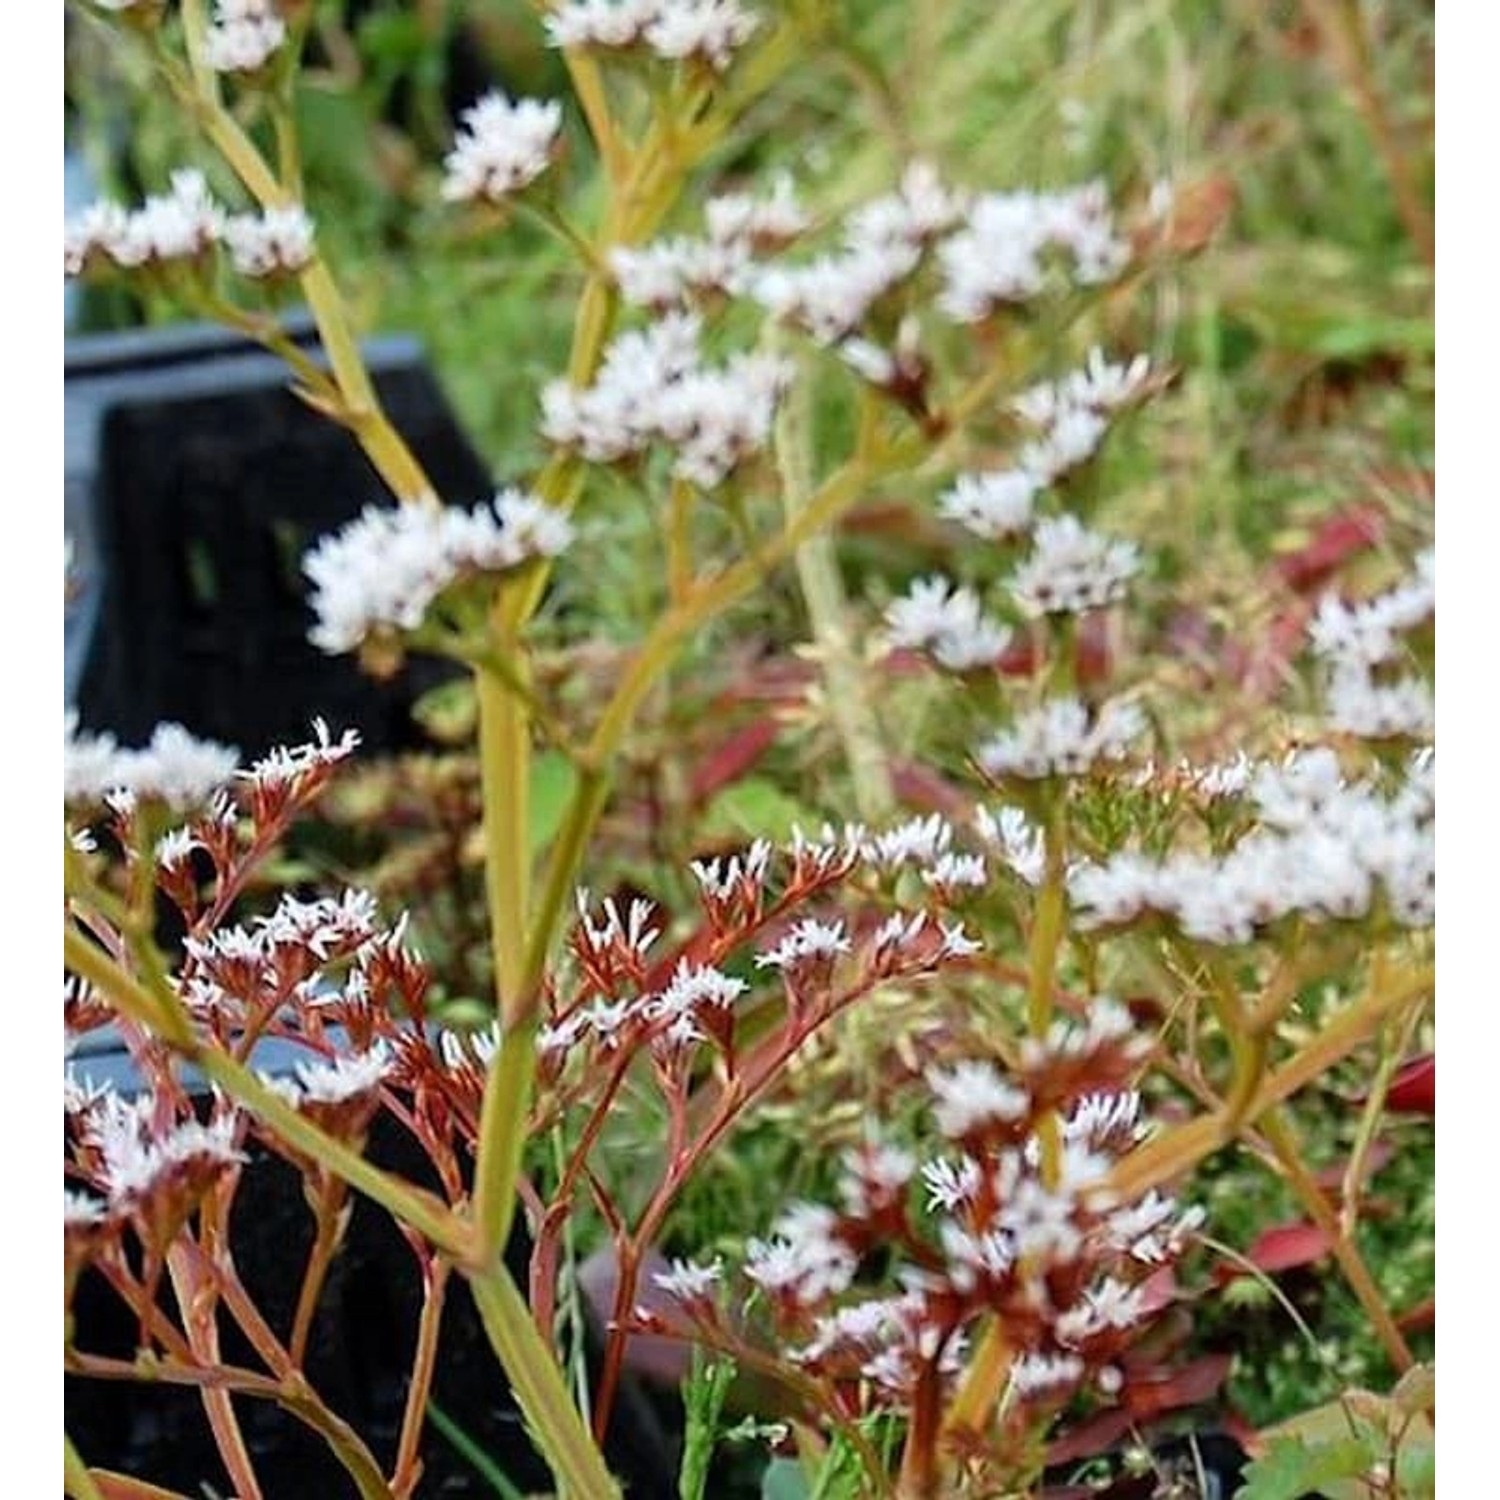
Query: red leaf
{"points": [[1413, 1089], [1331, 1179], [1280, 1249], [1149, 1393], [1419, 1318], [719, 768], [1352, 530], [1096, 1434]]}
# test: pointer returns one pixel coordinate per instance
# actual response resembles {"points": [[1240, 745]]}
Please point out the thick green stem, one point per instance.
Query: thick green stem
{"points": [[540, 1390], [77, 1481]]}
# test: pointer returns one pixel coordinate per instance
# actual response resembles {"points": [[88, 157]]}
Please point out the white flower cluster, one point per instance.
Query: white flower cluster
{"points": [[1001, 254], [804, 1261], [710, 31], [1072, 569], [972, 1095], [883, 244], [286, 766], [1356, 642], [689, 1282], [186, 225], [808, 940], [1061, 738], [948, 622], [278, 242], [1019, 841], [501, 148], [652, 387], [175, 768], [1323, 848], [666, 273], [137, 1155], [337, 1080], [244, 36], [385, 570]]}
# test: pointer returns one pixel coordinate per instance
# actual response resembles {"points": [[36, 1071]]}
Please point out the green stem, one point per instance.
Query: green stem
{"points": [[1278, 1131], [77, 1481], [539, 1388], [823, 592]]}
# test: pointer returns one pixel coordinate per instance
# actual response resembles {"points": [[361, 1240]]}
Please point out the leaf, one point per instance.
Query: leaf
{"points": [[1293, 1467], [1416, 1391], [733, 757], [1413, 1089], [553, 782], [1281, 1248], [754, 808], [783, 1480]]}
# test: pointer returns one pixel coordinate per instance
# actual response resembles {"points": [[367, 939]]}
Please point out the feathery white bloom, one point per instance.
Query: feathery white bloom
{"points": [[693, 986], [1039, 1374], [734, 218], [709, 30], [341, 1078], [278, 242], [687, 1281], [386, 568], [916, 841], [1058, 739], [502, 147], [1100, 386], [135, 1155], [182, 224], [175, 768], [804, 1259], [1020, 842], [719, 878], [653, 387], [284, 765], [973, 1094], [1358, 704], [830, 295], [807, 939], [244, 36], [1071, 569], [1000, 255], [175, 847], [81, 1210], [951, 1184], [632, 936], [949, 623], [952, 872], [994, 505]]}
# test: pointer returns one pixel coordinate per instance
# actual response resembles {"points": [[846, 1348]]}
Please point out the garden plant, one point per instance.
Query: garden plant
{"points": [[1071, 875]]}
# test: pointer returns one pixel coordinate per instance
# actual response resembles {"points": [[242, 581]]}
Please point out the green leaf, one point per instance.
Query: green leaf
{"points": [[783, 1480], [755, 808], [1293, 1467], [553, 782]]}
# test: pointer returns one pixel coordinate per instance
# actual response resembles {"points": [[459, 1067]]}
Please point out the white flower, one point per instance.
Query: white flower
{"points": [[387, 568], [182, 224], [808, 939], [502, 147], [830, 295], [951, 1184], [1019, 841], [1000, 254], [689, 1282], [278, 242], [1058, 739], [994, 505], [949, 623], [739, 218], [951, 872], [340, 1079], [244, 36], [136, 1154], [81, 1210], [805, 1259], [973, 1094], [175, 768], [653, 387], [283, 766], [1038, 1374], [916, 841], [1072, 569], [175, 848], [709, 30], [918, 211]]}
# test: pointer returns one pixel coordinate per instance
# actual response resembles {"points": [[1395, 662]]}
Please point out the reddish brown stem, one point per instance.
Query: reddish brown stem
{"points": [[408, 1454]]}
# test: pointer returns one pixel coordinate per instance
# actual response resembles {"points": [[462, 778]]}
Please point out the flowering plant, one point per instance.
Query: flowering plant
{"points": [[1001, 1257]]}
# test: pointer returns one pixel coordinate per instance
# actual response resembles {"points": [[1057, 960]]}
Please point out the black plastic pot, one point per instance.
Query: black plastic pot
{"points": [[193, 483], [360, 1353]]}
